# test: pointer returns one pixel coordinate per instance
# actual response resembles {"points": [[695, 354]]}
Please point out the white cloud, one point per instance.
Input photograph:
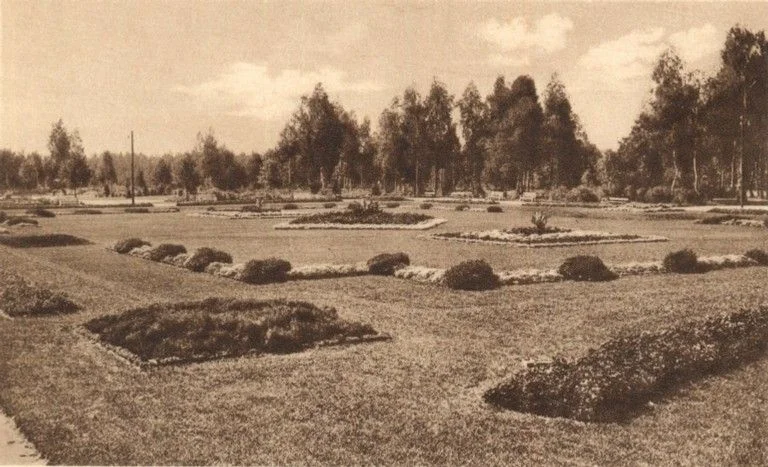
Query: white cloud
{"points": [[697, 43], [626, 58], [548, 34], [248, 89]]}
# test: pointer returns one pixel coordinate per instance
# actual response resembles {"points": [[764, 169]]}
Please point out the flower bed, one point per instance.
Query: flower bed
{"points": [[525, 237], [18, 297], [40, 241], [423, 225], [732, 220], [166, 333], [611, 383], [248, 215], [361, 217]]}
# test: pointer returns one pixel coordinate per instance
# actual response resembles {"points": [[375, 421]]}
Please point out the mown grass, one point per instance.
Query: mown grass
{"points": [[414, 400]]}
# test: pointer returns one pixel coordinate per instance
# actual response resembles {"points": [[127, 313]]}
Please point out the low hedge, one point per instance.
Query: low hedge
{"points": [[87, 211], [290, 206], [471, 275], [204, 256], [128, 244], [217, 327], [21, 298], [586, 268], [494, 209], [385, 264], [425, 205], [392, 205], [162, 251], [251, 208], [682, 261], [42, 241], [329, 205], [135, 210], [265, 271], [41, 212], [612, 383]]}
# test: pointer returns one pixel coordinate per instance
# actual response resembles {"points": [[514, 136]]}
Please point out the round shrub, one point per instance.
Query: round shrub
{"points": [[40, 212], [162, 251], [462, 207], [265, 271], [204, 256], [385, 264], [355, 206], [586, 268], [329, 205], [425, 205], [494, 208], [471, 275], [658, 194], [124, 246], [582, 194], [760, 256], [392, 205], [682, 261]]}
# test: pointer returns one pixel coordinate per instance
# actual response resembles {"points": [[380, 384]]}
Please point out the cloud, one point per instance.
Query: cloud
{"points": [[626, 58], [248, 89], [548, 34], [697, 43]]}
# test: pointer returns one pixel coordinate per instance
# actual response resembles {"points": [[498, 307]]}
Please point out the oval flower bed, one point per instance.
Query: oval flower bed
{"points": [[166, 333], [526, 237]]}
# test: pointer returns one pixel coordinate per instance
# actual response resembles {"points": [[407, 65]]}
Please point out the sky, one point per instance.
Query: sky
{"points": [[170, 69]]}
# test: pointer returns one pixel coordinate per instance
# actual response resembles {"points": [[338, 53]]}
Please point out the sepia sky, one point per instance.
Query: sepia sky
{"points": [[168, 69]]}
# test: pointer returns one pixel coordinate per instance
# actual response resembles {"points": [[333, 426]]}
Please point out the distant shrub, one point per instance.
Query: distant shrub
{"points": [[125, 246], [716, 220], [494, 208], [17, 220], [682, 261], [164, 250], [581, 194], [41, 212], [265, 271], [20, 298], [3, 216], [355, 206], [612, 383], [760, 256], [375, 190], [392, 205], [256, 208], [42, 241], [425, 205], [539, 221], [329, 205], [204, 256], [462, 207], [686, 196], [290, 206], [658, 194], [586, 268], [314, 187], [87, 211], [137, 210], [471, 275], [385, 264]]}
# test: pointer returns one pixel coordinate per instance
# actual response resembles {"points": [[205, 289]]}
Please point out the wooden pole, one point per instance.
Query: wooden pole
{"points": [[133, 189]]}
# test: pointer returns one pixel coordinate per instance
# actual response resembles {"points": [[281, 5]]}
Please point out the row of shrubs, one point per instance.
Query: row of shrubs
{"points": [[612, 383]]}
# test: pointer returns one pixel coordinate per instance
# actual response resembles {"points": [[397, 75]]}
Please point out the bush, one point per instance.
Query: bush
{"points": [[355, 206], [611, 383], [137, 210], [539, 221], [16, 220], [471, 275], [204, 256], [40, 212], [256, 208], [686, 196], [3, 216], [218, 327], [375, 190], [760, 256], [20, 298], [125, 246], [87, 211], [658, 194], [385, 264], [42, 241], [462, 207], [586, 268], [682, 261], [392, 205], [716, 220], [425, 205], [290, 206], [314, 187], [581, 194], [329, 205], [162, 251], [265, 271], [494, 208]]}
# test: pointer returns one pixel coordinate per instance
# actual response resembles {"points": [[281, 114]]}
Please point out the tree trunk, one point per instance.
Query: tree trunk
{"points": [[677, 170], [695, 173]]}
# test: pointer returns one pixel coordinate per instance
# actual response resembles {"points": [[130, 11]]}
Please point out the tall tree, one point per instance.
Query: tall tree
{"points": [[253, 169], [474, 126], [442, 143], [162, 177], [392, 146], [417, 164], [188, 176], [562, 162]]}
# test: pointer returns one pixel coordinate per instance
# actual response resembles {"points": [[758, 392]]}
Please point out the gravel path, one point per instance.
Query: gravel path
{"points": [[14, 448]]}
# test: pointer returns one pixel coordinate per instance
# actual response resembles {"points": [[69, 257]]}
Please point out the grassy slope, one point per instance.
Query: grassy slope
{"points": [[415, 399]]}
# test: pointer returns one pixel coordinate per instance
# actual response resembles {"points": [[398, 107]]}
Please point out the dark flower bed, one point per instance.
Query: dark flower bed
{"points": [[217, 327], [20, 298], [16, 220], [41, 212], [87, 211], [257, 208], [362, 217], [41, 241], [535, 230], [613, 382]]}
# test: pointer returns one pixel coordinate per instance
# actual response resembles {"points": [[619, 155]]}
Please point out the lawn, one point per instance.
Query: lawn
{"points": [[416, 399]]}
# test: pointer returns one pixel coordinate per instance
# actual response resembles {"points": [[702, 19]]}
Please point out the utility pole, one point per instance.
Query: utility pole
{"points": [[133, 190]]}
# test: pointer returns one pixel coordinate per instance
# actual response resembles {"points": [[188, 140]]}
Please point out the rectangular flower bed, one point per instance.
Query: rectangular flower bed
{"points": [[166, 333], [43, 240], [423, 225]]}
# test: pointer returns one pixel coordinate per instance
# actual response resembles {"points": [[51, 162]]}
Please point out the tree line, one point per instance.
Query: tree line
{"points": [[697, 136]]}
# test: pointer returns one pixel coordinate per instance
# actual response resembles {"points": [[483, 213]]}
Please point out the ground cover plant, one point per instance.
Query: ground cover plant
{"points": [[42, 240], [611, 383], [18, 297], [217, 327]]}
